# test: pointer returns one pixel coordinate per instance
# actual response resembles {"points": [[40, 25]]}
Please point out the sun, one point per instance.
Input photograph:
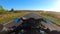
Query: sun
{"points": [[57, 5]]}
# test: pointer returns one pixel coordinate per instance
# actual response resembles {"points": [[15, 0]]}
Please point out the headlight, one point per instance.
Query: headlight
{"points": [[22, 31]]}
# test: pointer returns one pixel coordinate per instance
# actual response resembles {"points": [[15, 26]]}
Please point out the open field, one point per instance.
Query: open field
{"points": [[53, 16], [6, 17]]}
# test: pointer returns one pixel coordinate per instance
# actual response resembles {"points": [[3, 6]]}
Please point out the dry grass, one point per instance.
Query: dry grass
{"points": [[50, 15], [5, 17]]}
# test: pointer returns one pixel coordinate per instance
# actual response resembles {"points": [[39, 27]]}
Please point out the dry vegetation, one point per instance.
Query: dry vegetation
{"points": [[10, 16], [53, 16]]}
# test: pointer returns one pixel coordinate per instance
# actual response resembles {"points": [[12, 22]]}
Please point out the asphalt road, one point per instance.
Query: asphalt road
{"points": [[11, 23], [51, 26]]}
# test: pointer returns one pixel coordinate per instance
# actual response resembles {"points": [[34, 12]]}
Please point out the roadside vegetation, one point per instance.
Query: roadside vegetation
{"points": [[54, 20], [6, 15]]}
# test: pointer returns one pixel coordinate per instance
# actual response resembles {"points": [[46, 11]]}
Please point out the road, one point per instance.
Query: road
{"points": [[51, 26], [11, 23]]}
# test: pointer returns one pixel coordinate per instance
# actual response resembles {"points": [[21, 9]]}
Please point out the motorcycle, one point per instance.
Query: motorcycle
{"points": [[28, 26]]}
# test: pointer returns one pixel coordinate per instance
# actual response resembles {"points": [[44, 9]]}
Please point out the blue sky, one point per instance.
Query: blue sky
{"points": [[29, 4]]}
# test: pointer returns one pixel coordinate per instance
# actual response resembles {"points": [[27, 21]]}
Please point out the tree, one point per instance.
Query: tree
{"points": [[11, 10]]}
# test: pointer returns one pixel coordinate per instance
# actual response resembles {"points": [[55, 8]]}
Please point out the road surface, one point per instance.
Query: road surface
{"points": [[51, 26]]}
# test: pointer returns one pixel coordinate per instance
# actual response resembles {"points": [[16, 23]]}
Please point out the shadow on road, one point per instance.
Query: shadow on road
{"points": [[53, 32]]}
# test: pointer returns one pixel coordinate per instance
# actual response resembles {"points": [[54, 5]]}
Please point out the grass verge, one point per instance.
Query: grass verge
{"points": [[6, 17], [57, 22]]}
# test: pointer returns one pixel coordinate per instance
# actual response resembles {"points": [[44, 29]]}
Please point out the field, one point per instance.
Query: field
{"points": [[53, 16], [10, 16]]}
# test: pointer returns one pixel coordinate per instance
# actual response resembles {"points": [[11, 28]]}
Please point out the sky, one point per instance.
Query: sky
{"points": [[49, 5]]}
